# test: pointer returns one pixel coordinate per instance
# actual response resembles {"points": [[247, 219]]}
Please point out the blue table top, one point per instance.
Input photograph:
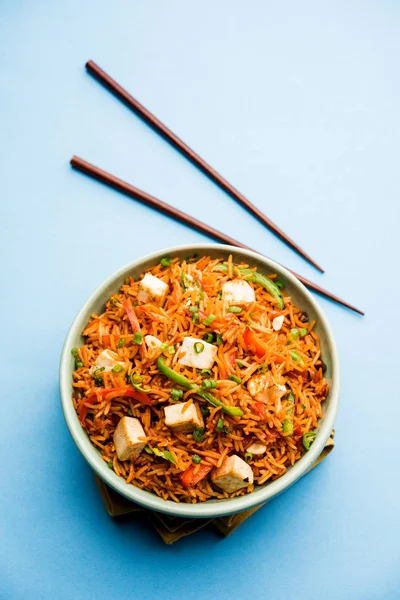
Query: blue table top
{"points": [[297, 104]]}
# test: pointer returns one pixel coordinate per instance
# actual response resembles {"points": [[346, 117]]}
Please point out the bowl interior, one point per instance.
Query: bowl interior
{"points": [[210, 508]]}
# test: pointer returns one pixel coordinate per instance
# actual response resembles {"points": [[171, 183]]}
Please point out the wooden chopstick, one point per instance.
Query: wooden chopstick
{"points": [[167, 209], [139, 109]]}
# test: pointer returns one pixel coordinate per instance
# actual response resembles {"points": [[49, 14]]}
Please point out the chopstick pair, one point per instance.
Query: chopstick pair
{"points": [[176, 214]]}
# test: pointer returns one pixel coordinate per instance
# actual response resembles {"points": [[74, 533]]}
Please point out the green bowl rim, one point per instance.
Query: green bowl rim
{"points": [[210, 508]]}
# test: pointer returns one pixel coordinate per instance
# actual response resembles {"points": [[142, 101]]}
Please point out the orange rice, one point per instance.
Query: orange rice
{"points": [[295, 363]]}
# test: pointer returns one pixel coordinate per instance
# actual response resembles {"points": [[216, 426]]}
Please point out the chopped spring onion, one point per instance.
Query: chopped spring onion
{"points": [[263, 368], [303, 331], [235, 309], [121, 343], [130, 413], [193, 309], [295, 333], [115, 302], [198, 434], [239, 364], [296, 357], [287, 425], [198, 347], [279, 284], [117, 369], [148, 450], [176, 394], [138, 338], [219, 339], [171, 349], [208, 337], [205, 411], [196, 459], [235, 379], [308, 439], [248, 456], [303, 406], [134, 303], [209, 320], [208, 384], [99, 370], [166, 262], [220, 426], [110, 464], [206, 372], [196, 318], [163, 346]]}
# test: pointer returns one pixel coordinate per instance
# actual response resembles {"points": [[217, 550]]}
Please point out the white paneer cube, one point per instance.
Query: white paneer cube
{"points": [[233, 474], [257, 448], [128, 438], [238, 292], [179, 419], [106, 361], [152, 342], [277, 323], [152, 289], [258, 386], [264, 389], [197, 353]]}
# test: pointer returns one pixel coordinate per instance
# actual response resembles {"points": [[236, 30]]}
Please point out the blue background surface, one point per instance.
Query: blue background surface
{"points": [[297, 104]]}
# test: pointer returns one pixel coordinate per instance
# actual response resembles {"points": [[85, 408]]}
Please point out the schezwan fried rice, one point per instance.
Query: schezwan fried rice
{"points": [[200, 380]]}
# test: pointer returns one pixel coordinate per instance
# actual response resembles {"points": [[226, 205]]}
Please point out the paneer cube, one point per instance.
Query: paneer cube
{"points": [[197, 353], [238, 292], [258, 386], [179, 419], [233, 474], [106, 361], [263, 388], [128, 438], [152, 289]]}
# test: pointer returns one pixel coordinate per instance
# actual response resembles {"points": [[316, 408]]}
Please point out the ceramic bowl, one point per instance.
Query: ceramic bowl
{"points": [[211, 508]]}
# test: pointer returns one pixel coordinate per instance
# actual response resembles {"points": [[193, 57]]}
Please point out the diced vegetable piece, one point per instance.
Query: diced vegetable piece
{"points": [[235, 379], [308, 439], [194, 474], [254, 344]]}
